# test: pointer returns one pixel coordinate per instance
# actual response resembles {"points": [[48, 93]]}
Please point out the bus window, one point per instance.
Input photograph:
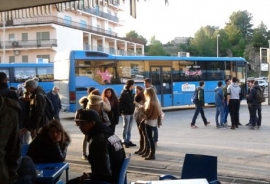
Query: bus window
{"points": [[103, 72], [23, 74], [131, 70], [45, 74], [215, 70], [192, 70]]}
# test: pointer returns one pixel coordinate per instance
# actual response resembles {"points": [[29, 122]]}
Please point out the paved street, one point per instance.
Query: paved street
{"points": [[243, 154]]}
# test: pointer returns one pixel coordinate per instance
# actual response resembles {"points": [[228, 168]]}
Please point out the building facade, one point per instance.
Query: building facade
{"points": [[41, 37]]}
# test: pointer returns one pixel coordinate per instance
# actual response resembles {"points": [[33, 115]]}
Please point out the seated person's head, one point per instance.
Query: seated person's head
{"points": [[86, 120]]}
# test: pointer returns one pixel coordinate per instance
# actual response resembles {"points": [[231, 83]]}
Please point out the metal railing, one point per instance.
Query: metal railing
{"points": [[102, 14], [113, 51], [28, 44]]}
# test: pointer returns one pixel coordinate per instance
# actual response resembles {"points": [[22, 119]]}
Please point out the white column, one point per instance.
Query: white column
{"points": [[125, 48], [115, 47], [135, 49], [103, 44], [90, 46]]}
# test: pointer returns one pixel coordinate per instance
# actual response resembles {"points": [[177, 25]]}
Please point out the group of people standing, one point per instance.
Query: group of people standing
{"points": [[21, 115], [227, 101]]}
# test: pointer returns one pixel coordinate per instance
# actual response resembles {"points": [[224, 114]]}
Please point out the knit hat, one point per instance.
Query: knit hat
{"points": [[31, 83]]}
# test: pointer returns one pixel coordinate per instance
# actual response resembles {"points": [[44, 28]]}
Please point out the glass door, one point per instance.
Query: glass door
{"points": [[162, 79]]}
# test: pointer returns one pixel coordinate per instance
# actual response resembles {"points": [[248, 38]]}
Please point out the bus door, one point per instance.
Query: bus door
{"points": [[161, 77]]}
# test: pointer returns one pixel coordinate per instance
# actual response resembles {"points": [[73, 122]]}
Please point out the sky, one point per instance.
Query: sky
{"points": [[183, 18]]}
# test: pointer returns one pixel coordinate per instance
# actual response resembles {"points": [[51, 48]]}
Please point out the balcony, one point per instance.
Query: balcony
{"points": [[113, 51], [101, 14], [67, 23], [29, 44]]}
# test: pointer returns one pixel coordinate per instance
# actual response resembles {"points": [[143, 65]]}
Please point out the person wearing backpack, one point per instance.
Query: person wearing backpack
{"points": [[56, 101], [199, 103], [37, 116], [256, 106]]}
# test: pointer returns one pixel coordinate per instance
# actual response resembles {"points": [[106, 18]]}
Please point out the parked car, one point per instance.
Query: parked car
{"points": [[263, 84]]}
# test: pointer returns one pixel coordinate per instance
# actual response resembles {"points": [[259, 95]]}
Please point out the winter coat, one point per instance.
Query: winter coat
{"points": [[55, 99], [219, 97], [42, 150], [10, 150], [126, 105], [106, 154], [139, 110], [252, 97], [38, 117]]}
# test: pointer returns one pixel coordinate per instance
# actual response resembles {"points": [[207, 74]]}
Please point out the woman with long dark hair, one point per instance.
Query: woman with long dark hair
{"points": [[50, 144], [110, 95]]}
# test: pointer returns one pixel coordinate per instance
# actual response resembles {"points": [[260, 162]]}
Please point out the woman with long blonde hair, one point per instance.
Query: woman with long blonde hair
{"points": [[152, 111]]}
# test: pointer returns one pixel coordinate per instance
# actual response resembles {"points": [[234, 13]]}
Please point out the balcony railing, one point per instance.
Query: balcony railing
{"points": [[28, 44], [67, 23], [101, 14], [113, 51]]}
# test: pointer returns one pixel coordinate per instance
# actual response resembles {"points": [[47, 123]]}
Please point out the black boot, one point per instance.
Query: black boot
{"points": [[140, 149], [147, 152], [151, 156]]}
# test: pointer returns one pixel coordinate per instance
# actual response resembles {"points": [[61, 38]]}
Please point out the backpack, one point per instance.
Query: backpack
{"points": [[49, 109], [194, 98], [259, 96]]}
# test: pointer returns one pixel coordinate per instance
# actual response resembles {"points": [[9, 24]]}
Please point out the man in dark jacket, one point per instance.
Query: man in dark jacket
{"points": [[10, 150], [199, 106], [37, 106], [55, 99], [255, 106], [4, 89], [126, 108], [106, 153]]}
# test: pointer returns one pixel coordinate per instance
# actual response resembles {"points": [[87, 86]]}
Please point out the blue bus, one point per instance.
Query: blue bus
{"points": [[18, 73], [175, 78]]}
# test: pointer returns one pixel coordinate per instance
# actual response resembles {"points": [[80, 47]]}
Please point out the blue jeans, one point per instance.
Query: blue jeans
{"points": [[220, 112], [226, 111], [127, 125], [199, 109]]}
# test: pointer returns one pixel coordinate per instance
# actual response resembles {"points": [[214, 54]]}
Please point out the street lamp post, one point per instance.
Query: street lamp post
{"points": [[268, 61], [217, 44]]}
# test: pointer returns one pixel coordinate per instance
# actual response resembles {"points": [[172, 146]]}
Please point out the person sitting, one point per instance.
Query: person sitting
{"points": [[106, 152], [50, 144]]}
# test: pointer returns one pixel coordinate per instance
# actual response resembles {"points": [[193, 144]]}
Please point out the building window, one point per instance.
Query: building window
{"points": [[11, 59], [44, 57], [43, 35], [83, 24], [24, 36], [67, 20], [11, 37], [25, 59], [109, 31]]}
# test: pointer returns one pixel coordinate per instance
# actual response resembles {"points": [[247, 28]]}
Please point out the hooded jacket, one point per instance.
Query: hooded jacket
{"points": [[106, 154], [252, 97], [219, 97], [234, 91], [10, 150], [126, 105]]}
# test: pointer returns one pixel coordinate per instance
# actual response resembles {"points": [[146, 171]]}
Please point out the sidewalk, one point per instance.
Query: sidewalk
{"points": [[243, 154]]}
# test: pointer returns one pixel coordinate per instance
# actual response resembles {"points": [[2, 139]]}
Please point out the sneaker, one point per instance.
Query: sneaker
{"points": [[239, 124], [257, 127], [247, 124], [251, 127], [218, 127], [194, 126], [131, 144], [84, 157]]}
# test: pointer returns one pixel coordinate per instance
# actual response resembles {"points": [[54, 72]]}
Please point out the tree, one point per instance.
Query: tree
{"points": [[156, 48], [260, 36], [204, 42], [242, 19], [134, 36]]}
